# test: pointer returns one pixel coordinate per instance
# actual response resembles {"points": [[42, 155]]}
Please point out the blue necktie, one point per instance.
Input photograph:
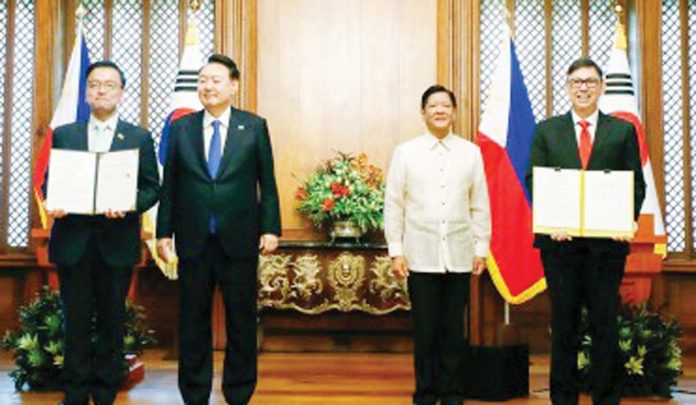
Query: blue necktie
{"points": [[214, 156], [214, 152]]}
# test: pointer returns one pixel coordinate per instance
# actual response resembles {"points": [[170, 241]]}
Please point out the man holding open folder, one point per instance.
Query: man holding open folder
{"points": [[95, 254], [585, 271]]}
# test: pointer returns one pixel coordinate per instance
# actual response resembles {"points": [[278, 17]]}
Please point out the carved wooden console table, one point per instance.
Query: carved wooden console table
{"points": [[316, 277], [318, 296]]}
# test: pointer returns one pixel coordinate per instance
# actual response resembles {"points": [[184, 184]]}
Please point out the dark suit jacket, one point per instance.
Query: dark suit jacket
{"points": [[615, 147], [117, 239], [243, 197]]}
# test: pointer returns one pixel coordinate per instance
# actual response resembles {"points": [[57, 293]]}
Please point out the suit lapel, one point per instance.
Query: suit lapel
{"points": [[196, 137], [118, 142], [602, 134], [235, 132], [81, 142], [567, 131]]}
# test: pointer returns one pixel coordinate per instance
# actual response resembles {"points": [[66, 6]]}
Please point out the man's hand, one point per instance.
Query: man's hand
{"points": [[56, 213], [268, 243], [627, 239], [111, 214], [400, 266], [479, 265], [165, 249], [561, 237]]}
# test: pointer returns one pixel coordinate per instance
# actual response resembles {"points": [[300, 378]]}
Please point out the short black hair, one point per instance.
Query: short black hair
{"points": [[227, 62], [437, 89], [111, 65], [583, 63]]}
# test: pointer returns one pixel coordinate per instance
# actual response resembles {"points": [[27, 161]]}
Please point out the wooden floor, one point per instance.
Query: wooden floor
{"points": [[313, 379]]}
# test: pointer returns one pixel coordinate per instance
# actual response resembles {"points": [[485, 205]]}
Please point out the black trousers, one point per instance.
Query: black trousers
{"points": [[93, 296], [437, 308], [575, 278], [236, 279]]}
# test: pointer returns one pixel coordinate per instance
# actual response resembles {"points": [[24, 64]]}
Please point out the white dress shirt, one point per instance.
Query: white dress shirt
{"points": [[208, 119], [592, 128], [436, 210], [100, 134]]}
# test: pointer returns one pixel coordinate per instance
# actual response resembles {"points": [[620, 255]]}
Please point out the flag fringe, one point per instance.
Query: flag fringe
{"points": [[502, 287]]}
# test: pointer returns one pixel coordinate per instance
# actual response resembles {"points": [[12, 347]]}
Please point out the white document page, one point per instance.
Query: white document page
{"points": [[117, 181], [71, 181], [608, 203], [556, 202]]}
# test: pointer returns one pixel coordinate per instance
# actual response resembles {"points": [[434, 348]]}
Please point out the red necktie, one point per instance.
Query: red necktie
{"points": [[585, 148]]}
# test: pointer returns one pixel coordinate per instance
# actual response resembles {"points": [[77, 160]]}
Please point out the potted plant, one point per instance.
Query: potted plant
{"points": [[38, 345], [650, 353], [345, 193]]}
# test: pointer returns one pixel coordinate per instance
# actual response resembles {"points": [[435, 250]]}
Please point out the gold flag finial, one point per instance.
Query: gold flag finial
{"points": [[192, 32], [620, 41], [195, 4]]}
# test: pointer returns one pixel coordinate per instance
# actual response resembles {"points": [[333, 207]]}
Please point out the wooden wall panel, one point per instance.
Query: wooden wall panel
{"points": [[340, 76], [675, 293]]}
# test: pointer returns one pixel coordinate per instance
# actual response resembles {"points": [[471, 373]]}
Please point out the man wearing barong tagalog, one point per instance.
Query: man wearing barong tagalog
{"points": [[437, 226]]}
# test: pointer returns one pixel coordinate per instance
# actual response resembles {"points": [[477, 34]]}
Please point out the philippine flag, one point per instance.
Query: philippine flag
{"points": [[72, 107], [619, 100], [184, 101], [505, 137]]}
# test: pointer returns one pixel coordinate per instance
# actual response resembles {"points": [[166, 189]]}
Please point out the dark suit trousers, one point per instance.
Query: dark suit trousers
{"points": [[237, 279], [578, 277], [93, 291], [437, 309]]}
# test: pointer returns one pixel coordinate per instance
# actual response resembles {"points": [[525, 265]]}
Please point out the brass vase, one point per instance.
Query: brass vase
{"points": [[345, 230]]}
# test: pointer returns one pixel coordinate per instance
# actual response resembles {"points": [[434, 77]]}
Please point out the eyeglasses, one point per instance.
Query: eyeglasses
{"points": [[97, 85], [590, 82]]}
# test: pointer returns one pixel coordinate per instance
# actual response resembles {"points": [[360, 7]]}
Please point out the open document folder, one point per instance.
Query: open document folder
{"points": [[583, 203], [90, 183]]}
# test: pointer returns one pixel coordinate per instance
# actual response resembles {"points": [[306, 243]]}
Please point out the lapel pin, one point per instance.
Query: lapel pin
{"points": [[119, 136], [240, 127]]}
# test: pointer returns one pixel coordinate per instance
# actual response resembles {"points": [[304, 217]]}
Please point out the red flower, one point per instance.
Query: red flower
{"points": [[328, 204], [339, 190], [300, 194]]}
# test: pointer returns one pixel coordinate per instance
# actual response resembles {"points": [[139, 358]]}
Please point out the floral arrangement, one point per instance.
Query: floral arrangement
{"points": [[38, 345], [650, 353], [345, 188]]}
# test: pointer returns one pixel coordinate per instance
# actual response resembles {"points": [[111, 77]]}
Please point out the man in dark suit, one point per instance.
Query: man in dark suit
{"points": [[585, 271], [95, 254], [219, 200]]}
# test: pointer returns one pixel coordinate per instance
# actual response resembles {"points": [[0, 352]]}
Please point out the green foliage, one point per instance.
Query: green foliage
{"points": [[345, 188], [38, 345], [650, 353]]}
